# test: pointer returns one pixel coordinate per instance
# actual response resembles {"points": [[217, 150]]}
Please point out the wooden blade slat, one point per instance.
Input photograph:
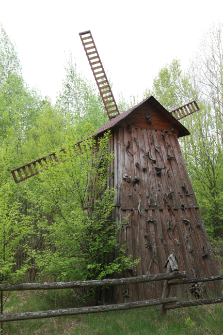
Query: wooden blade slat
{"points": [[89, 48], [20, 175], [30, 169], [108, 102], [91, 53], [93, 57], [15, 178], [188, 110], [103, 78], [97, 62], [85, 43], [113, 111], [105, 92], [99, 72], [108, 96], [102, 82], [55, 157], [40, 163], [111, 106], [97, 67], [34, 165], [185, 110], [104, 88], [25, 172]]}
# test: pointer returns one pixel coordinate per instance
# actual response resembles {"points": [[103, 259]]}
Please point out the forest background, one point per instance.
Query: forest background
{"points": [[44, 228]]}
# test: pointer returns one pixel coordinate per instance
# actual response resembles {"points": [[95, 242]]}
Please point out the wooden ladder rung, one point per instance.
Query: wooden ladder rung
{"points": [[99, 72], [92, 52], [90, 42], [86, 38]]}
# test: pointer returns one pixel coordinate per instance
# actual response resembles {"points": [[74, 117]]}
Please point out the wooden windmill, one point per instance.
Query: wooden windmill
{"points": [[153, 189]]}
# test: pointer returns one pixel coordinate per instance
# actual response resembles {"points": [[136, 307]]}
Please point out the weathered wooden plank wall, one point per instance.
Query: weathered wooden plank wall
{"points": [[161, 209]]}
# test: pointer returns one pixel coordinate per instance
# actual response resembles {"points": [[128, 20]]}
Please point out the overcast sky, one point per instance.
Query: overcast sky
{"points": [[135, 39]]}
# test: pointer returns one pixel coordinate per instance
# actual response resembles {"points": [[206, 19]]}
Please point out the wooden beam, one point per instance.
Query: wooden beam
{"points": [[84, 310], [92, 283], [196, 280], [195, 303]]}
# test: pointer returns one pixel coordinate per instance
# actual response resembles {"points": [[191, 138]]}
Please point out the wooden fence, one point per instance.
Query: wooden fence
{"points": [[171, 277], [91, 283]]}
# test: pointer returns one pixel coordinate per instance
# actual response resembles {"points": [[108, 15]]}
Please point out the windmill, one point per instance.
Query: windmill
{"points": [[153, 189]]}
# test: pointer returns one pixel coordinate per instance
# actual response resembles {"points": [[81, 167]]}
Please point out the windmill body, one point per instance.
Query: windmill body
{"points": [[154, 193], [155, 201]]}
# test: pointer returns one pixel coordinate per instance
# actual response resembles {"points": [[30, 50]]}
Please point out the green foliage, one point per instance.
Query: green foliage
{"points": [[172, 88], [9, 62], [80, 102], [59, 221], [18, 104], [14, 227], [203, 152], [189, 322], [80, 240]]}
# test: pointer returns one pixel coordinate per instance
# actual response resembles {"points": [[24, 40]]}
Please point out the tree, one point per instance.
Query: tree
{"points": [[14, 228], [20, 112], [18, 105], [80, 239], [207, 72], [9, 62], [80, 102], [172, 87]]}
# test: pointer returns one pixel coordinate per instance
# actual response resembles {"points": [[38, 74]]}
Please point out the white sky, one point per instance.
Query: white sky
{"points": [[135, 39]]}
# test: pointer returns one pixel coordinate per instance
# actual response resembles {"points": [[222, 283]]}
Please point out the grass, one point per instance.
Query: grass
{"points": [[193, 320]]}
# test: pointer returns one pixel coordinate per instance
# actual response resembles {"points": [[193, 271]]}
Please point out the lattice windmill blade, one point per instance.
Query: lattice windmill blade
{"points": [[99, 74], [185, 110], [33, 168]]}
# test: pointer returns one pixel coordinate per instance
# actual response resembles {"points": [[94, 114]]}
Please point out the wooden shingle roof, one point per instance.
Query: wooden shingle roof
{"points": [[164, 113]]}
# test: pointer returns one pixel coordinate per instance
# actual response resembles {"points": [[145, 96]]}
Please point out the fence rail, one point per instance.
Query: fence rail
{"points": [[199, 302], [195, 280], [84, 310], [90, 283], [93, 283]]}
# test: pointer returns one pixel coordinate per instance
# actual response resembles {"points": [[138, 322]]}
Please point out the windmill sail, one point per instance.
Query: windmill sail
{"points": [[99, 74], [185, 110], [33, 168]]}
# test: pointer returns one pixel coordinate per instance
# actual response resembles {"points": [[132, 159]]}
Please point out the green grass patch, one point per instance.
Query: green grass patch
{"points": [[193, 320]]}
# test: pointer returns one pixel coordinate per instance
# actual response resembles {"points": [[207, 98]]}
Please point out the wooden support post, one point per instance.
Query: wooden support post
{"points": [[166, 291], [171, 265]]}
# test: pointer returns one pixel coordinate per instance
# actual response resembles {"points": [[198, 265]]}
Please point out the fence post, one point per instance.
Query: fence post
{"points": [[171, 265]]}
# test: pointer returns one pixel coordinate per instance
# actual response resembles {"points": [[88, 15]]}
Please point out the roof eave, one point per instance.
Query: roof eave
{"points": [[181, 129]]}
